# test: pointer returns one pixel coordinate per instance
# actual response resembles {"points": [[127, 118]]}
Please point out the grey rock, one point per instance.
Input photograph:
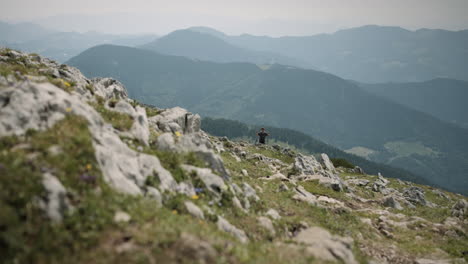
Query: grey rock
{"points": [[460, 209], [441, 194], [327, 163], [250, 192], [380, 184], [38, 106], [153, 193], [213, 182], [176, 120], [307, 165], [109, 88], [273, 214], [56, 204], [283, 187], [121, 217], [225, 226], [244, 172], [415, 195], [359, 170], [266, 223], [391, 202], [323, 245], [122, 107], [194, 210], [305, 196], [196, 143]]}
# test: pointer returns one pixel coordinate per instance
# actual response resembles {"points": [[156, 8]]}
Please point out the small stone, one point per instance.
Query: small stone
{"points": [[273, 214], [121, 217], [266, 223], [194, 210], [283, 187], [244, 172], [392, 203]]}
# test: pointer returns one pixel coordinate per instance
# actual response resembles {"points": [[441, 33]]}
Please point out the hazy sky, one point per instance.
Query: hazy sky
{"points": [[269, 17]]}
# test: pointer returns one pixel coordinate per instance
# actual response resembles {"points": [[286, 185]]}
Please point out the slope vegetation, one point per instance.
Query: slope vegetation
{"points": [[91, 176]]}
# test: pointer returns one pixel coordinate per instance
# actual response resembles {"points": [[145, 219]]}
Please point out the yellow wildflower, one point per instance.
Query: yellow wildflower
{"points": [[178, 134], [195, 197], [174, 212], [68, 109], [89, 166], [67, 84]]}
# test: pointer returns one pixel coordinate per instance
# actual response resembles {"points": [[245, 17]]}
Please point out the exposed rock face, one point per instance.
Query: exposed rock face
{"points": [[38, 106], [321, 244]]}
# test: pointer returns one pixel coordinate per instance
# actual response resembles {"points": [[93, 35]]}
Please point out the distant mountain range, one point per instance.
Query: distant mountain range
{"points": [[370, 53], [322, 105], [60, 46], [445, 99], [202, 46]]}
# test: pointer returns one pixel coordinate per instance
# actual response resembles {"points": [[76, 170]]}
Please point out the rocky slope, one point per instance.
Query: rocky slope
{"points": [[90, 175]]}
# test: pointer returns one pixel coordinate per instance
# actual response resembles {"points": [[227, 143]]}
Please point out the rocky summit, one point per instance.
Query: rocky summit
{"points": [[89, 175]]}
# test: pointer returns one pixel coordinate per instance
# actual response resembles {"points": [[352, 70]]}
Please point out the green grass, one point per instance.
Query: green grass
{"points": [[119, 121], [254, 170], [271, 153]]}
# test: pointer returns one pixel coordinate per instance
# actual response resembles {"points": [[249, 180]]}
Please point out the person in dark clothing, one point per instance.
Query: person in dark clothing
{"points": [[262, 135]]}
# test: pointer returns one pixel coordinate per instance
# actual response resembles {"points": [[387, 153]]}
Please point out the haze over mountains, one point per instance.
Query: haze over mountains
{"points": [[371, 53], [445, 99], [202, 46], [319, 104], [60, 46]]}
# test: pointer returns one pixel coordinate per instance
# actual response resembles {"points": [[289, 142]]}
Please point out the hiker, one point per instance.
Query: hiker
{"points": [[262, 135]]}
